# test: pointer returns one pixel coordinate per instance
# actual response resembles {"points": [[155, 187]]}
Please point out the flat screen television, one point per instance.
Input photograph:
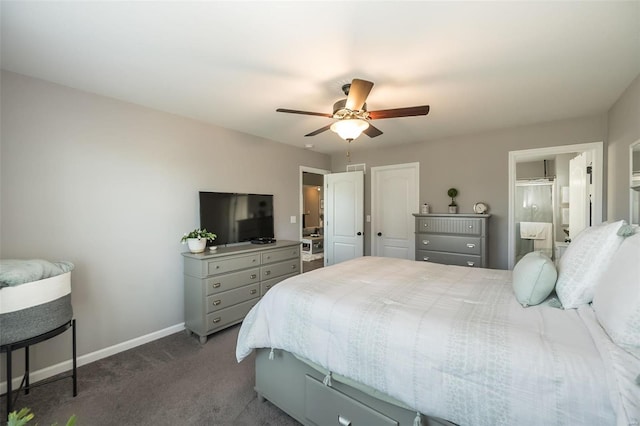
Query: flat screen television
{"points": [[236, 218]]}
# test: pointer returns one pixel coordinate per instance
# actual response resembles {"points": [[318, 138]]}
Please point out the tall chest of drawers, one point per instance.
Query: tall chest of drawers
{"points": [[221, 287], [454, 239]]}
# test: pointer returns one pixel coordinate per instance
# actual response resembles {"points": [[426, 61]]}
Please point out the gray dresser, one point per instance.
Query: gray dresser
{"points": [[454, 239], [220, 287]]}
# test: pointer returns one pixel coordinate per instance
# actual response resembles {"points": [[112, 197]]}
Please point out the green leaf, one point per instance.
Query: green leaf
{"points": [[20, 418]]}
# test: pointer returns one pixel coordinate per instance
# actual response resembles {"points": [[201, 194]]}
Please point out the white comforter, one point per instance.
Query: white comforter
{"points": [[448, 341]]}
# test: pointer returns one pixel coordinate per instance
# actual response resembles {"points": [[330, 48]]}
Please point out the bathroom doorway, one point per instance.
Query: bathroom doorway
{"points": [[574, 205], [312, 217]]}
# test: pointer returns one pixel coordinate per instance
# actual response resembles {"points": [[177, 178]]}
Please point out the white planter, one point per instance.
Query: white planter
{"points": [[196, 245]]}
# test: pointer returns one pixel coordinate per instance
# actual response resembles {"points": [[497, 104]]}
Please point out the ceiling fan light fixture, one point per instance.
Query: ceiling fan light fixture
{"points": [[349, 129]]}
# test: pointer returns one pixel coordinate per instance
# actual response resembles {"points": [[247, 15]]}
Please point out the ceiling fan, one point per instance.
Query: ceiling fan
{"points": [[352, 115]]}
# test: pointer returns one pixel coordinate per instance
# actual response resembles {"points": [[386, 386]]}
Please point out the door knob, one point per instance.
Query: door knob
{"points": [[379, 234], [359, 233]]}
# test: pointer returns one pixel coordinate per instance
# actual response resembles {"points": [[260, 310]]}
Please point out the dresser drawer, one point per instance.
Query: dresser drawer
{"points": [[280, 254], [221, 266], [324, 405], [279, 269], [449, 258], [233, 314], [450, 225], [451, 243], [266, 285], [233, 280], [223, 300]]}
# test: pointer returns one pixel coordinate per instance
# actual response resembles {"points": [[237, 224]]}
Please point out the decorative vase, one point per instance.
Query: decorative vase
{"points": [[196, 245], [453, 208]]}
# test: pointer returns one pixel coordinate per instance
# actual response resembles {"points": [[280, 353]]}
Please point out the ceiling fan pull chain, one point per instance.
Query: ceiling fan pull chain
{"points": [[349, 151]]}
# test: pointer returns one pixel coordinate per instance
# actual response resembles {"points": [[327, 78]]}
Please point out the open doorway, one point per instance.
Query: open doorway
{"points": [[312, 217], [554, 193]]}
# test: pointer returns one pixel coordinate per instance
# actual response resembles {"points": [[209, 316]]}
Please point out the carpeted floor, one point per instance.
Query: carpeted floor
{"points": [[171, 381], [313, 264]]}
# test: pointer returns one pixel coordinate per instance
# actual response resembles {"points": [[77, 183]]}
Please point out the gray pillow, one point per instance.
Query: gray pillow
{"points": [[534, 278]]}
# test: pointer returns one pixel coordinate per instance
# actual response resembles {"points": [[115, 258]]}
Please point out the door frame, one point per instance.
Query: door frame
{"points": [[597, 151], [301, 195], [374, 170]]}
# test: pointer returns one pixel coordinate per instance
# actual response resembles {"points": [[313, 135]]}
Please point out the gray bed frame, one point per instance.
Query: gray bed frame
{"points": [[297, 388]]}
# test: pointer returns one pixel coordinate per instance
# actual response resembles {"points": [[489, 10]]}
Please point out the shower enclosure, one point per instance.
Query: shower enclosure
{"points": [[534, 210]]}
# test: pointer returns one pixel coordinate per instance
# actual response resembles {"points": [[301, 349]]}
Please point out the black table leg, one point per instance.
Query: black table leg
{"points": [[26, 369], [9, 376], [75, 366]]}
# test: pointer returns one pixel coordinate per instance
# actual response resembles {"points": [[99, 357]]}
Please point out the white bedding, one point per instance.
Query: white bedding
{"points": [[448, 341]]}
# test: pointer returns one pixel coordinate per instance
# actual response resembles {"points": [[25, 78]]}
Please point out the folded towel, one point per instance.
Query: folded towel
{"points": [[535, 230], [541, 233]]}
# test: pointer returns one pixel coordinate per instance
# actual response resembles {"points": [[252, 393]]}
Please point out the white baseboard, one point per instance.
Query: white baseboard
{"points": [[47, 372]]}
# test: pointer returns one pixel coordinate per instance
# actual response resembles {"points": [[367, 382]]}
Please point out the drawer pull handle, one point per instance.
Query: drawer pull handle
{"points": [[470, 263], [343, 421], [253, 276], [426, 225], [268, 257], [425, 242], [293, 266], [470, 226], [254, 291], [216, 320], [471, 245], [217, 266], [268, 286], [253, 260], [267, 272], [426, 258], [216, 285], [216, 302]]}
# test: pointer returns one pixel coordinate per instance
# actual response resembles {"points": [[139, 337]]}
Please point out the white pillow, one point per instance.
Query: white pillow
{"points": [[616, 298], [534, 277], [584, 262]]}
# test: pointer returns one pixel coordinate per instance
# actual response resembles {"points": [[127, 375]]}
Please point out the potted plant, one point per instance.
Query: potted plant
{"points": [[453, 207], [197, 239]]}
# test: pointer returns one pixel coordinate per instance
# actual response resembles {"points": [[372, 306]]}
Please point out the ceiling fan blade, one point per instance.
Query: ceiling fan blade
{"points": [[320, 130], [399, 112], [358, 93], [295, 111], [372, 132]]}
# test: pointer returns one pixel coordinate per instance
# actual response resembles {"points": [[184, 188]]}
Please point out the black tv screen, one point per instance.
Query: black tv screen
{"points": [[236, 218]]}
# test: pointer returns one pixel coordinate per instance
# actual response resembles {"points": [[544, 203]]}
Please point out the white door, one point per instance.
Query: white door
{"points": [[394, 199], [578, 195], [344, 210]]}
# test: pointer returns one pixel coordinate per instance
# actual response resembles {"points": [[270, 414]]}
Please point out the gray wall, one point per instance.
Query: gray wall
{"points": [[536, 169], [624, 129], [111, 187], [477, 165]]}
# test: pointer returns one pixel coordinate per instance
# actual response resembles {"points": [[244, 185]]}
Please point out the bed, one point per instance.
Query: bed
{"points": [[391, 341]]}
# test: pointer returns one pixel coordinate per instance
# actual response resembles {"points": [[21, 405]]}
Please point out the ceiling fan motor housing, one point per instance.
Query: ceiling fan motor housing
{"points": [[340, 112]]}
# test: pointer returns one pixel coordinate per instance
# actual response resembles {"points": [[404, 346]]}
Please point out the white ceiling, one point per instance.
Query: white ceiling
{"points": [[479, 65]]}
